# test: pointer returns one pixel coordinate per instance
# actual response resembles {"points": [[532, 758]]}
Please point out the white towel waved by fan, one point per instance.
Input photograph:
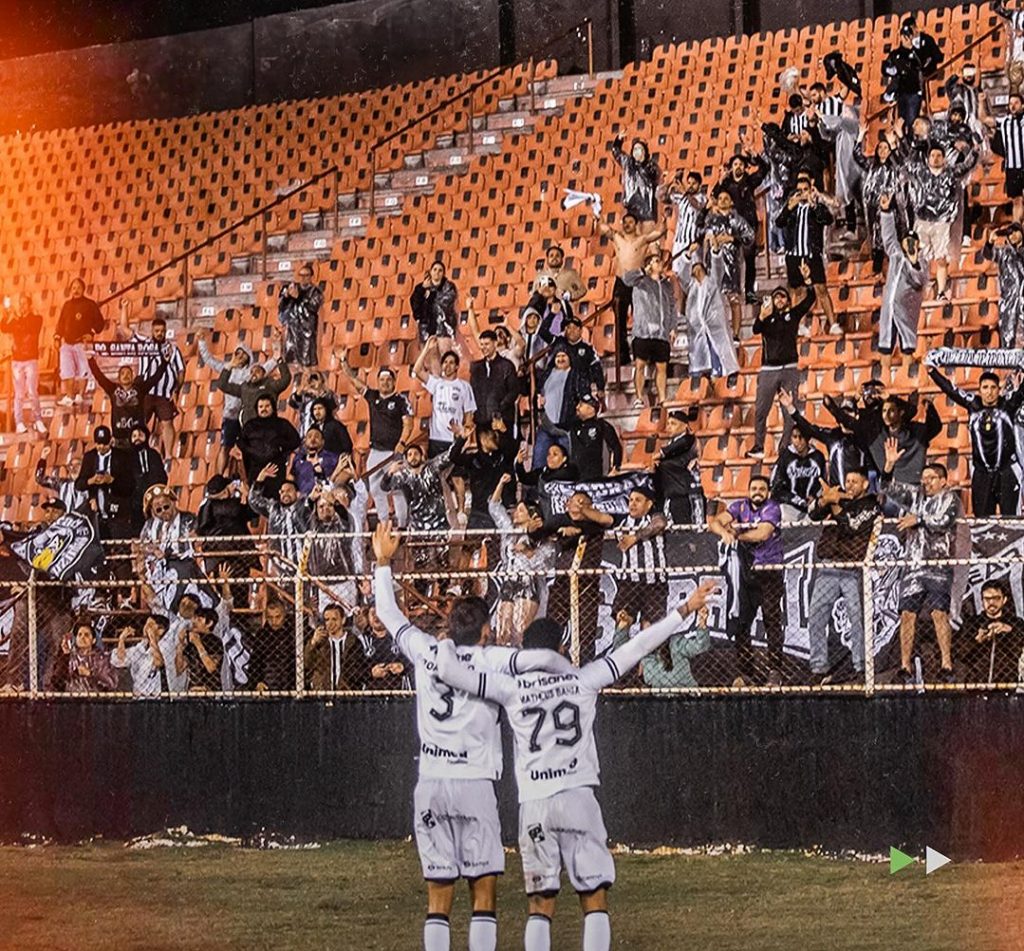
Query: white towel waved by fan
{"points": [[574, 198]]}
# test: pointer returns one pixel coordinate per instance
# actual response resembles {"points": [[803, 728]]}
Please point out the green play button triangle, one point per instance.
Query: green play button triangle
{"points": [[899, 860]]}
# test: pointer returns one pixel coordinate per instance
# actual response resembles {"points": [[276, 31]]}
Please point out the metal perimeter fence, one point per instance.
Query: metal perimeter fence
{"points": [[293, 616]]}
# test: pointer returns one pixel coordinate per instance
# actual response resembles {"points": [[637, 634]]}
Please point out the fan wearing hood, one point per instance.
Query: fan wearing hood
{"points": [[267, 439], [712, 350], [640, 178], [239, 368]]}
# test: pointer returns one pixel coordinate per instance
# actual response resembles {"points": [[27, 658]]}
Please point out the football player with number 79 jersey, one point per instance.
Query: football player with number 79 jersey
{"points": [[458, 833], [552, 718]]}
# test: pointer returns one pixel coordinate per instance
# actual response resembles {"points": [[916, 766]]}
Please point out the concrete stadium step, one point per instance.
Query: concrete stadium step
{"points": [[209, 307]]}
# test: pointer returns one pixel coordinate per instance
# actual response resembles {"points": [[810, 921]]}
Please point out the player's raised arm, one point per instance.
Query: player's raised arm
{"points": [[409, 639], [604, 671], [498, 688]]}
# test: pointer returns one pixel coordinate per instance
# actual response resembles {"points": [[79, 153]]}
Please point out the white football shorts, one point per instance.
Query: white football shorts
{"points": [[565, 830], [457, 829]]}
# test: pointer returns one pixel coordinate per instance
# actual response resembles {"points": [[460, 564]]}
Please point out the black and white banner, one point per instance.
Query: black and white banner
{"points": [[1004, 543], [67, 547], [610, 495], [124, 349], [994, 359]]}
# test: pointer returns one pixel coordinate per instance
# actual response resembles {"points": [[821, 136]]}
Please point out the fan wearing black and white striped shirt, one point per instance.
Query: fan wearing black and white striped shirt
{"points": [[803, 221], [1008, 142], [162, 395], [643, 584]]}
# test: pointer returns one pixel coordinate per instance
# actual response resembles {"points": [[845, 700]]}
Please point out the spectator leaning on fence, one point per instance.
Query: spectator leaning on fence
{"points": [[993, 640], [928, 517], [852, 513]]}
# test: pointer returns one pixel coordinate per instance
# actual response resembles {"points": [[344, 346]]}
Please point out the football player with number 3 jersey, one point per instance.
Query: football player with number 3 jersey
{"points": [[458, 834], [551, 713]]}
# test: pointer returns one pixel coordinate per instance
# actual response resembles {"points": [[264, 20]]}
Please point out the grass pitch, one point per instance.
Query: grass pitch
{"points": [[368, 897]]}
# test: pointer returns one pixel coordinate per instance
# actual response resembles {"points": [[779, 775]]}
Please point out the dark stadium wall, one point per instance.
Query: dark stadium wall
{"points": [[365, 44], [839, 773]]}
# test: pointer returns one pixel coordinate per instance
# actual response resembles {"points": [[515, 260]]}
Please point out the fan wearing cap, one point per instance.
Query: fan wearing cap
{"points": [[1009, 257], [106, 476], [656, 300], [588, 371], [712, 351], [906, 67], [640, 178], [526, 562], [677, 473], [594, 444], [909, 273]]}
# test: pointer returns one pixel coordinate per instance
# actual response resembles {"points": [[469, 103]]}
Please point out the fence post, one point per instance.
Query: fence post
{"points": [[33, 639], [590, 48], [533, 83], [300, 666], [869, 612], [470, 126], [574, 603]]}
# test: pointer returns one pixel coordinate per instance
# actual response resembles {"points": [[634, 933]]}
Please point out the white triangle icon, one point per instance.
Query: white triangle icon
{"points": [[934, 860]]}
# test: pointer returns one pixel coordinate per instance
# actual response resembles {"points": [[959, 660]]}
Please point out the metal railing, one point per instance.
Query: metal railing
{"points": [[824, 617]]}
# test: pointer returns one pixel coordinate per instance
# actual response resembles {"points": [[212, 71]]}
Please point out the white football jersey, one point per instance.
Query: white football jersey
{"points": [[552, 714], [459, 733]]}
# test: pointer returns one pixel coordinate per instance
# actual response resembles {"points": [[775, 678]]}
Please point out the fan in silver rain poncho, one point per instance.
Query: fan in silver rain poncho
{"points": [[841, 123], [335, 545], [711, 346], [904, 288], [881, 177], [1009, 258], [640, 177]]}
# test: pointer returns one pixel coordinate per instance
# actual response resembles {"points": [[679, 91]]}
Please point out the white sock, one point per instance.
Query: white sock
{"points": [[538, 933], [436, 933], [597, 931], [483, 931]]}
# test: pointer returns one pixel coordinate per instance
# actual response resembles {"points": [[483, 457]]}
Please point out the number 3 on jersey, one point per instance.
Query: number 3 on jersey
{"points": [[447, 698], [566, 719]]}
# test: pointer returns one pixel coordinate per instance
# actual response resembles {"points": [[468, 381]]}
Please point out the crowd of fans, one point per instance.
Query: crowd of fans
{"points": [[519, 432]]}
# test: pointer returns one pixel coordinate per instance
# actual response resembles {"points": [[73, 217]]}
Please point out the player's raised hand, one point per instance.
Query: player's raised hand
{"points": [[385, 543], [699, 598]]}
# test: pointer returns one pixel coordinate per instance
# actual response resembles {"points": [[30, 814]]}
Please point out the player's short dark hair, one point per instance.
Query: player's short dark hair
{"points": [[543, 633], [939, 469], [696, 176], [988, 375], [861, 471], [332, 608], [466, 621], [796, 101], [159, 322], [760, 478], [818, 86], [1015, 95], [994, 585], [452, 354], [161, 621], [489, 335]]}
